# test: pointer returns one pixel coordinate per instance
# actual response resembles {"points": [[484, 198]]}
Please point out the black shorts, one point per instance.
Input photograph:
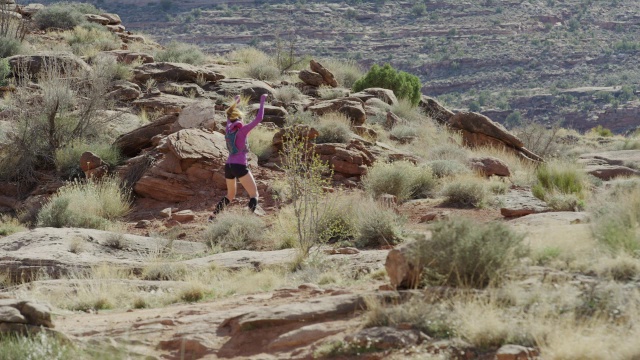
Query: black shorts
{"points": [[235, 171]]}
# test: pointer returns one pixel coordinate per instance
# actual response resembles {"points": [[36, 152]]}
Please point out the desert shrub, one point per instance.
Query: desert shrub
{"points": [[9, 46], [404, 131], [92, 204], [600, 131], [260, 143], [377, 225], [181, 53], [5, 70], [9, 225], [449, 151], [235, 231], [540, 139], [407, 111], [89, 40], [64, 15], [68, 158], [333, 128], [346, 72], [466, 191], [401, 178], [39, 346], [444, 168], [301, 117], [464, 253], [404, 85], [339, 222], [329, 93], [288, 94], [560, 178], [431, 318], [263, 71], [615, 216], [165, 271]]}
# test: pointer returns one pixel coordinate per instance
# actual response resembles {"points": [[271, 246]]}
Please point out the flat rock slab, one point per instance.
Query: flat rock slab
{"points": [[608, 172], [619, 157], [58, 251], [518, 203], [552, 218], [371, 259]]}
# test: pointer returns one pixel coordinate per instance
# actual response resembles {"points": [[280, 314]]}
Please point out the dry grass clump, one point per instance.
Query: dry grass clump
{"points": [[164, 271], [378, 225], [252, 63], [89, 40], [405, 110], [466, 191], [329, 93], [10, 225], [616, 216], [402, 179], [433, 319], [288, 94], [40, 346], [333, 128], [464, 253], [448, 151], [91, 204], [346, 72], [563, 185], [260, 142], [235, 230], [181, 53], [446, 168]]}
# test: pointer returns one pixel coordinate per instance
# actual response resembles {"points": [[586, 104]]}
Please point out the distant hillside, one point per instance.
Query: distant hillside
{"points": [[509, 59]]}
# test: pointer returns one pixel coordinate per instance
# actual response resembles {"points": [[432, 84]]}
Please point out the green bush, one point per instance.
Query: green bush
{"points": [[9, 225], [64, 15], [235, 231], [92, 204], [404, 85], [181, 53], [466, 191], [9, 46], [464, 253], [339, 222], [560, 178], [601, 131], [401, 179], [40, 346], [68, 158]]}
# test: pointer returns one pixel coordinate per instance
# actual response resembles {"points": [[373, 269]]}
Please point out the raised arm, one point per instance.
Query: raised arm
{"points": [[259, 116]]}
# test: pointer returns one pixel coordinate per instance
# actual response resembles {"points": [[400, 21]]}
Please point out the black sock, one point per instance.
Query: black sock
{"points": [[253, 203], [221, 205]]}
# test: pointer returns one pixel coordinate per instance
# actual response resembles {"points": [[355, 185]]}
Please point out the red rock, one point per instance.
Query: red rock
{"points": [[183, 216], [90, 161], [489, 166]]}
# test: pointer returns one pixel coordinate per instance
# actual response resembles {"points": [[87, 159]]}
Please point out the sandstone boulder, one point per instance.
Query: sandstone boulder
{"points": [[118, 29], [303, 336], [251, 88], [327, 76], [310, 78], [272, 114], [164, 103], [114, 19], [352, 108], [123, 90], [403, 271], [96, 19], [132, 143], [22, 317], [199, 114], [34, 64], [349, 160], [385, 95], [90, 161], [607, 165], [435, 110], [305, 132], [166, 71], [183, 216], [490, 166], [519, 202], [128, 56], [516, 352]]}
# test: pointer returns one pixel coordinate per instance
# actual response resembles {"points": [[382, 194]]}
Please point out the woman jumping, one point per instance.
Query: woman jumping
{"points": [[236, 166]]}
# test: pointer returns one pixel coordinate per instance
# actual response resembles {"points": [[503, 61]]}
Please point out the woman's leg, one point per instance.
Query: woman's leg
{"points": [[249, 184], [231, 189]]}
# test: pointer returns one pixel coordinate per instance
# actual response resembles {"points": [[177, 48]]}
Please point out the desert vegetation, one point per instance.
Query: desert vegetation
{"points": [[384, 213]]}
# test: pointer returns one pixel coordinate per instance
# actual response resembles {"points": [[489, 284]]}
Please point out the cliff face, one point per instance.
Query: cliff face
{"points": [[509, 50]]}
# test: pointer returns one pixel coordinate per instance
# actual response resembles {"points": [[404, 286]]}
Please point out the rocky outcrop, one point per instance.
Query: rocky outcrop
{"points": [[435, 110], [327, 76], [93, 166], [310, 77], [32, 65], [273, 114], [181, 89], [96, 19], [347, 160], [24, 317], [129, 57], [317, 76], [198, 115], [478, 130], [114, 19], [166, 71], [518, 202], [163, 103], [403, 271], [489, 166], [385, 95], [384, 338], [186, 162], [124, 91], [607, 165], [132, 143], [250, 88], [350, 107]]}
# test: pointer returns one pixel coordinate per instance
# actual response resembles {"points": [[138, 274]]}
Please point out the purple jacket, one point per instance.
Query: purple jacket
{"points": [[241, 136]]}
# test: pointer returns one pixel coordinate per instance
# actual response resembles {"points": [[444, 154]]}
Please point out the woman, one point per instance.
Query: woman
{"points": [[236, 166]]}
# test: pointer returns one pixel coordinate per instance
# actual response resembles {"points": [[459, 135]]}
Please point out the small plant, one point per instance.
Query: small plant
{"points": [[466, 191], [89, 40], [464, 253], [601, 131], [557, 181], [333, 128], [403, 84], [9, 225], [165, 271], [329, 93], [260, 143], [401, 179], [92, 204], [193, 293], [64, 15], [263, 71], [181, 53], [140, 303], [5, 71], [235, 231], [445, 168], [616, 217], [9, 46], [115, 241], [378, 226], [288, 94], [77, 244]]}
